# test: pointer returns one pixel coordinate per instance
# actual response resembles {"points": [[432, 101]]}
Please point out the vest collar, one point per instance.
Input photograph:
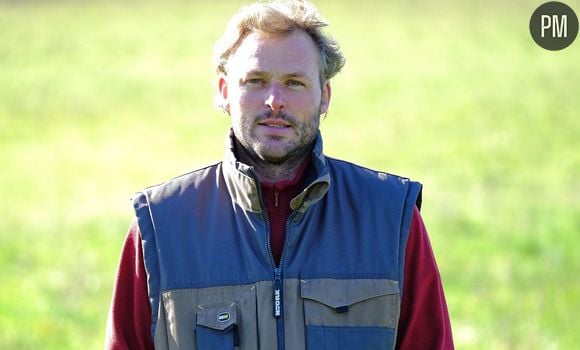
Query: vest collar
{"points": [[243, 184]]}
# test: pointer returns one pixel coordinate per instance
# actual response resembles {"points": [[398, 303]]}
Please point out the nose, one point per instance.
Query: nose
{"points": [[275, 99]]}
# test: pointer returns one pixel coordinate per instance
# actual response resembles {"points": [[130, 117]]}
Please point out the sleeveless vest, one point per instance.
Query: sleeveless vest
{"points": [[212, 280]]}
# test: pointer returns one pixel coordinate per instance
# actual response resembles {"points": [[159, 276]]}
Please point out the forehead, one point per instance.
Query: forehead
{"points": [[276, 53]]}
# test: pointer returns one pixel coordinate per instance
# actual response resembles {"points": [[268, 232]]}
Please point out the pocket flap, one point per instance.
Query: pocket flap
{"points": [[220, 317], [341, 293]]}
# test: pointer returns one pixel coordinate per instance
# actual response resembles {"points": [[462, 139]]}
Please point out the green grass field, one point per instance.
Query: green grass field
{"points": [[100, 99]]}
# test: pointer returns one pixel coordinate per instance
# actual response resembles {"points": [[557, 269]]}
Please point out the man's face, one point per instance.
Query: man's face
{"points": [[273, 93]]}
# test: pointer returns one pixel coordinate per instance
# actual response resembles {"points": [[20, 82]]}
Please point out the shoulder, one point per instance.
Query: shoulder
{"points": [[344, 170], [182, 185], [373, 185]]}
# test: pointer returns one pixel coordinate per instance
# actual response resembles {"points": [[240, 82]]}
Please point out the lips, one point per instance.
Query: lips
{"points": [[275, 123]]}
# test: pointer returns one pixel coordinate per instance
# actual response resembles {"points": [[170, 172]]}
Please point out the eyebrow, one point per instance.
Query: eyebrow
{"points": [[298, 74]]}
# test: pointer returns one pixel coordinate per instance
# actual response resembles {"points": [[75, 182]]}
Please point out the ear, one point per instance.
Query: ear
{"points": [[325, 98], [223, 91]]}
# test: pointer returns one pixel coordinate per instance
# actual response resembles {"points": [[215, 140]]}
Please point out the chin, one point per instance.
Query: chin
{"points": [[272, 151], [273, 157]]}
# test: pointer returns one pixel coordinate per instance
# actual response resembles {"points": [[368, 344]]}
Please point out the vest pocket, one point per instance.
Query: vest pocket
{"points": [[222, 317], [350, 313], [215, 327]]}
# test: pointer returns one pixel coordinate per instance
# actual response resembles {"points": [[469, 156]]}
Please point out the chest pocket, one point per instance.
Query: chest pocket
{"points": [[350, 313], [216, 327], [214, 318]]}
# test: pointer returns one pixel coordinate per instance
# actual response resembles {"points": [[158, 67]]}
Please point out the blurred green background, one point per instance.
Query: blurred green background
{"points": [[99, 99]]}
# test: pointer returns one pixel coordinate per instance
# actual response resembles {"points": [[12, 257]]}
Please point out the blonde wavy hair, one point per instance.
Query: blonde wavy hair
{"points": [[280, 17]]}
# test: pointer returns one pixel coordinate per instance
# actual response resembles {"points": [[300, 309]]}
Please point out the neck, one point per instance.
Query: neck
{"points": [[271, 172]]}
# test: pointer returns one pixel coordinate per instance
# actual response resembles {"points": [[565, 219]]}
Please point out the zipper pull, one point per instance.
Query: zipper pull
{"points": [[276, 195], [277, 293]]}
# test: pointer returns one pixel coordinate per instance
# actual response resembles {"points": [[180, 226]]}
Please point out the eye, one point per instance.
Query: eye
{"points": [[293, 82], [255, 81]]}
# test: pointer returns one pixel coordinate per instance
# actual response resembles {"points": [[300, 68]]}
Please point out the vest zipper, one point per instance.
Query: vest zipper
{"points": [[277, 293], [278, 308], [278, 288]]}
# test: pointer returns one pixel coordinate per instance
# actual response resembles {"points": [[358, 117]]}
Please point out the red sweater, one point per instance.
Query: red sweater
{"points": [[424, 320]]}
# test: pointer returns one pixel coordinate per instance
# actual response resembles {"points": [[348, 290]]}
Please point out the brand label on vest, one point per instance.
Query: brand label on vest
{"points": [[223, 317], [277, 312]]}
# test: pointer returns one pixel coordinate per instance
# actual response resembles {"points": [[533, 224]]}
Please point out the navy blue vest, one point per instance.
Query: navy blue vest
{"points": [[211, 276]]}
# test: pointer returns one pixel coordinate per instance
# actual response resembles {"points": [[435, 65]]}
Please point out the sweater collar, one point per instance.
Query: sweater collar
{"points": [[285, 184], [243, 185]]}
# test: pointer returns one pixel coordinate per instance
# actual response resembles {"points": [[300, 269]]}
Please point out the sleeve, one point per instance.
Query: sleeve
{"points": [[424, 322], [129, 321]]}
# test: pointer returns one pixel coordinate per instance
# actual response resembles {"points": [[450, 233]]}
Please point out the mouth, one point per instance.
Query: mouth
{"points": [[275, 123]]}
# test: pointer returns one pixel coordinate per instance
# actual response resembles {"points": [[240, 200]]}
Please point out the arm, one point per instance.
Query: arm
{"points": [[424, 321], [129, 322]]}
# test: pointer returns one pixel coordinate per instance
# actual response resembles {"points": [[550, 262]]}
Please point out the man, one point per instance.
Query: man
{"points": [[278, 246]]}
